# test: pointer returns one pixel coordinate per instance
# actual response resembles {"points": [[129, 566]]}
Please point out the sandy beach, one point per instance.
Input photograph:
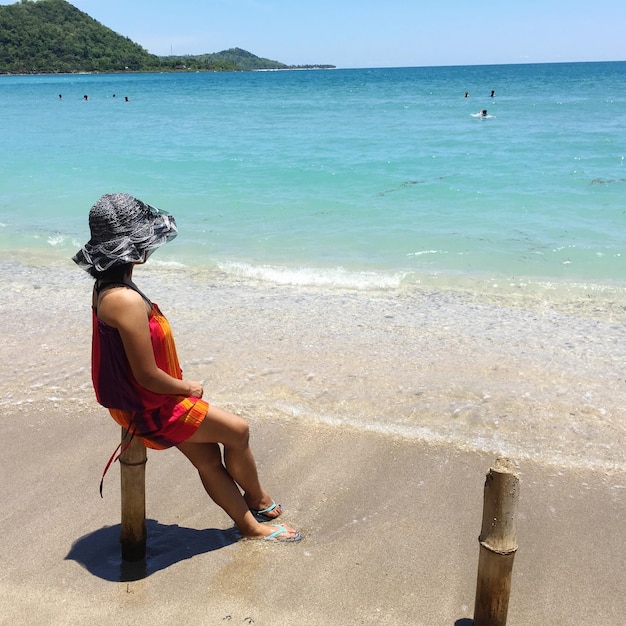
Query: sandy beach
{"points": [[391, 535], [390, 519]]}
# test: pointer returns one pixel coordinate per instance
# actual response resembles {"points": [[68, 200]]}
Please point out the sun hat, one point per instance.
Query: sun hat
{"points": [[123, 230]]}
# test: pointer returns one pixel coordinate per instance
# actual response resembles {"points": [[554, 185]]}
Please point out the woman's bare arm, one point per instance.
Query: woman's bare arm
{"points": [[126, 310]]}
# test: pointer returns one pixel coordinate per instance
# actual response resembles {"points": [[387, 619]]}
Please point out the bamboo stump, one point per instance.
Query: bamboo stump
{"points": [[133, 500], [498, 545]]}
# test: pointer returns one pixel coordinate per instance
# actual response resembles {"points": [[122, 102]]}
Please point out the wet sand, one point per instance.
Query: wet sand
{"points": [[390, 534], [390, 521]]}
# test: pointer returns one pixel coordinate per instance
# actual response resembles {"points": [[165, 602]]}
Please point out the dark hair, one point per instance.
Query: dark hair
{"points": [[113, 274]]}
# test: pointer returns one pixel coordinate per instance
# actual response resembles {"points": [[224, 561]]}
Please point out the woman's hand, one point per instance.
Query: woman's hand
{"points": [[195, 389]]}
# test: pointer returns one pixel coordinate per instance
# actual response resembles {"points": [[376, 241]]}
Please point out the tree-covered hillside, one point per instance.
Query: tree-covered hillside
{"points": [[49, 36], [54, 36], [232, 59]]}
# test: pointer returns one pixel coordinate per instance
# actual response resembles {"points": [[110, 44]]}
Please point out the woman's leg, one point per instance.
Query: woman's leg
{"points": [[221, 481], [234, 434]]}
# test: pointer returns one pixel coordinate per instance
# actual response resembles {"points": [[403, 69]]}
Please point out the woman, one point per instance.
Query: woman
{"points": [[136, 374]]}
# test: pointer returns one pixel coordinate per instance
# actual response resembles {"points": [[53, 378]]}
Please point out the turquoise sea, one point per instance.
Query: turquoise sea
{"points": [[347, 176], [364, 249]]}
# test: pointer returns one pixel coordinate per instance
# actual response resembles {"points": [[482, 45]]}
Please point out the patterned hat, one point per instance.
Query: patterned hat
{"points": [[123, 230]]}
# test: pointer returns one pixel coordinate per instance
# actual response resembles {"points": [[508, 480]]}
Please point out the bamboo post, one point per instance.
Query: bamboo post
{"points": [[133, 500], [498, 544]]}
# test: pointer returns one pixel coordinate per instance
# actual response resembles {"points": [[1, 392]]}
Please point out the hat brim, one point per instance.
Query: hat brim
{"points": [[102, 256]]}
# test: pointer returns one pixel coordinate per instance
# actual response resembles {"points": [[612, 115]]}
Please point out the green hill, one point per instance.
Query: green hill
{"points": [[54, 36], [232, 59], [50, 36]]}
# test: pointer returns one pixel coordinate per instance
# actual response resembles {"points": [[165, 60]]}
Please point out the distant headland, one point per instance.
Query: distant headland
{"points": [[53, 36]]}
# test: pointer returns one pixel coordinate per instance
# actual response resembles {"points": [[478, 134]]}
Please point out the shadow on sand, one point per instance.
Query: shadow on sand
{"points": [[99, 552]]}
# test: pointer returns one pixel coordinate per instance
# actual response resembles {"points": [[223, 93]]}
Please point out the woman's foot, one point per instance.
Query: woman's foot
{"points": [[268, 513], [263, 507], [284, 533], [278, 532]]}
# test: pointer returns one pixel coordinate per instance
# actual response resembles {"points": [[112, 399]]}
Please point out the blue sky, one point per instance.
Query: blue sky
{"points": [[381, 33]]}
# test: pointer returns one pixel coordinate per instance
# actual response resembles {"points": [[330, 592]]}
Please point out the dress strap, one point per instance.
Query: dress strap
{"points": [[117, 458], [100, 286]]}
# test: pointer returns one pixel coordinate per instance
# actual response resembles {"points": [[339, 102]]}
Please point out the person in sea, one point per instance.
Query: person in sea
{"points": [[137, 376]]}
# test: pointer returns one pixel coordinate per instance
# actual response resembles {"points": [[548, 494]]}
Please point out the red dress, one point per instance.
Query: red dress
{"points": [[161, 420]]}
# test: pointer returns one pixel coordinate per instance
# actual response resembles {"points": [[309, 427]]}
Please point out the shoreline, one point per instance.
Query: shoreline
{"points": [[390, 522], [524, 377], [178, 71], [323, 67], [557, 292]]}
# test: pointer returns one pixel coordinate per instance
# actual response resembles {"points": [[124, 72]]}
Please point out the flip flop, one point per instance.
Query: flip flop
{"points": [[276, 535], [261, 514]]}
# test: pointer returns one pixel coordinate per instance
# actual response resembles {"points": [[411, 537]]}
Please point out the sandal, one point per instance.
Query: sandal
{"points": [[261, 514], [277, 535]]}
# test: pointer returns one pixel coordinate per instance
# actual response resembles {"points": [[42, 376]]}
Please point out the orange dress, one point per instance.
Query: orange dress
{"points": [[160, 420]]}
